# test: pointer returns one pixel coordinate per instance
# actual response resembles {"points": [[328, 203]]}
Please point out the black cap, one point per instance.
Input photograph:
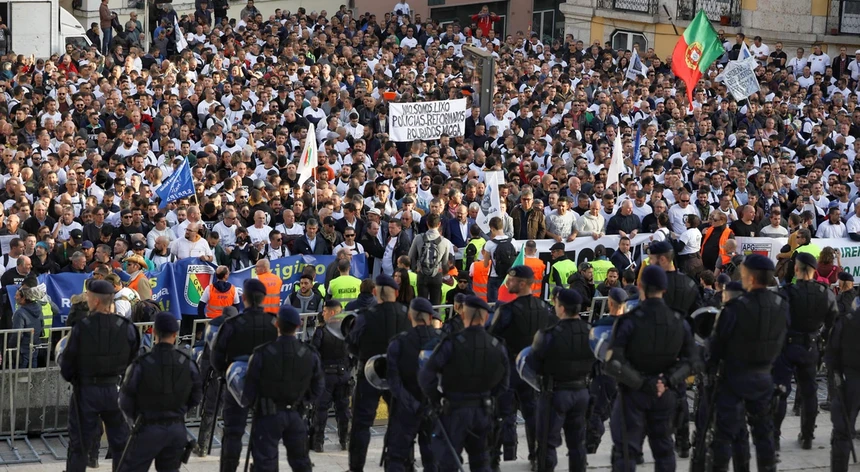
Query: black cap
{"points": [[328, 221], [522, 272], [660, 247], [138, 244], [734, 287], [723, 279], [619, 295], [655, 276], [758, 262], [383, 280], [165, 322], [557, 247], [422, 305], [254, 286], [807, 259], [476, 302], [845, 277], [569, 297], [77, 234], [288, 315], [102, 287]]}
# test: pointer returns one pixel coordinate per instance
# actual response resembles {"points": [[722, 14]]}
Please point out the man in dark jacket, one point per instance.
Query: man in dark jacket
{"points": [[311, 243], [365, 297], [583, 282]]}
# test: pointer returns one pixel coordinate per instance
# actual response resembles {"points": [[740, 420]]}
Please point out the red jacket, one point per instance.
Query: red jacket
{"points": [[485, 22]]}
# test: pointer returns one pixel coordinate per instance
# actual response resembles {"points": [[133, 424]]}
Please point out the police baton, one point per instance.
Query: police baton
{"points": [[448, 443], [547, 393], [699, 460], [134, 430], [76, 395], [221, 382], [251, 437]]}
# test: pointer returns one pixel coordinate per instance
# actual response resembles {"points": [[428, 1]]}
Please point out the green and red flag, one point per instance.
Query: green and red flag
{"points": [[504, 295], [696, 50]]}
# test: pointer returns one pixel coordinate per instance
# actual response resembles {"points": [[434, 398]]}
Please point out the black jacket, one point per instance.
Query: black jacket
{"points": [[303, 246]]}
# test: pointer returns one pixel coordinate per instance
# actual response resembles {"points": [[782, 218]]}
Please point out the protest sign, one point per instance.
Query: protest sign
{"points": [[490, 203], [427, 120], [740, 79]]}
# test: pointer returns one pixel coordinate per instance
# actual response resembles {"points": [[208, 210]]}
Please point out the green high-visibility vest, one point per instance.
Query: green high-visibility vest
{"points": [[478, 244], [344, 288], [48, 317], [600, 267], [565, 268]]}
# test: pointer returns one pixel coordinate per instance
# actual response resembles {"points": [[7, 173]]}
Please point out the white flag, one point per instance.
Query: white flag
{"points": [[636, 67], [616, 166], [181, 43], [308, 160]]}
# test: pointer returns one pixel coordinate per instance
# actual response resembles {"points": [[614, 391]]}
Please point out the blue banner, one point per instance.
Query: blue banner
{"points": [[177, 288], [180, 184]]}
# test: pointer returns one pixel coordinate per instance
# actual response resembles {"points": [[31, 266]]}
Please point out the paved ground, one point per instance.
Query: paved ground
{"points": [[792, 457]]}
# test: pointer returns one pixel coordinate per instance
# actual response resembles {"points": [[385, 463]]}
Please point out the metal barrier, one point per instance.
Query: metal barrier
{"points": [[599, 306]]}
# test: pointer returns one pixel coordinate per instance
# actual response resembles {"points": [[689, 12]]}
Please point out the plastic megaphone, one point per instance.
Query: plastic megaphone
{"points": [[526, 373], [376, 371]]}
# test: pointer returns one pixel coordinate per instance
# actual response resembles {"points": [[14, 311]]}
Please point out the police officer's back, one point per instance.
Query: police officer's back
{"points": [[843, 360], [650, 353], [237, 339], [516, 323], [454, 323], [373, 329], [283, 377], [472, 368], [99, 349], [747, 339], [409, 403], [159, 389], [562, 357], [335, 362], [682, 293], [811, 306]]}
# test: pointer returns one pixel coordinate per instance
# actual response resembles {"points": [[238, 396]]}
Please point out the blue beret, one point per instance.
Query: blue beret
{"points": [[723, 279], [383, 280], [254, 286], [845, 276], [289, 315], [460, 298], [422, 305], [102, 287], [619, 295], [166, 323], [808, 259], [522, 272], [758, 262], [655, 276], [734, 287], [569, 297], [660, 247], [476, 302]]}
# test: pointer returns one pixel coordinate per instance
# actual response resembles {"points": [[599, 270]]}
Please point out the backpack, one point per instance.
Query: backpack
{"points": [[428, 258], [504, 256]]}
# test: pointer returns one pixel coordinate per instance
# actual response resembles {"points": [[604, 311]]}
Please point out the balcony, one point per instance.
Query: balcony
{"points": [[724, 12], [647, 7]]}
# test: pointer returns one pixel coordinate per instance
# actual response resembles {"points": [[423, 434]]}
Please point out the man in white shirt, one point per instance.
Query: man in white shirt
{"points": [[349, 243], [797, 63], [191, 245], [818, 60], [852, 227], [833, 227], [259, 233], [289, 227], [759, 50], [226, 230], [679, 211]]}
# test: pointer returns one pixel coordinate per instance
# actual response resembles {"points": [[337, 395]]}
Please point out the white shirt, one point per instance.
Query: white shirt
{"points": [[853, 225], [259, 235], [357, 248], [829, 230], [227, 234], [183, 248], [818, 63], [677, 215], [154, 234], [692, 239]]}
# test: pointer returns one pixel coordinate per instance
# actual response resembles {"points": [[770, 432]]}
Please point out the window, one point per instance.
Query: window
{"points": [[626, 40], [849, 17]]}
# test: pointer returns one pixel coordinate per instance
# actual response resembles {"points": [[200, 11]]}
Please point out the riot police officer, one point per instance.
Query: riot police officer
{"points": [[454, 323], [603, 388], [335, 362], [373, 329], [409, 411], [99, 349], [562, 357], [846, 293], [516, 323], [237, 339], [472, 368], [746, 340], [843, 359], [283, 376], [651, 352], [210, 390], [159, 388], [811, 305], [682, 295]]}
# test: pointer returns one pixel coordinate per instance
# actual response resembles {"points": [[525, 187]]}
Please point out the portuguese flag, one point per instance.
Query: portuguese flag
{"points": [[696, 50]]}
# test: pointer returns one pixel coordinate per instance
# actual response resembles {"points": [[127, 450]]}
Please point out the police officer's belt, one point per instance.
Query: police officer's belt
{"points": [[806, 339], [112, 379], [334, 369], [162, 421], [467, 403], [270, 407], [571, 385]]}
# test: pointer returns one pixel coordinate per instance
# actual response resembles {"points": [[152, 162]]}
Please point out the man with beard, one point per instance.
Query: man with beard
{"points": [[583, 282]]}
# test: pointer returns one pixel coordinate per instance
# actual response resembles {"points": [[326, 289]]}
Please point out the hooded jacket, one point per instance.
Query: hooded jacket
{"points": [[27, 316]]}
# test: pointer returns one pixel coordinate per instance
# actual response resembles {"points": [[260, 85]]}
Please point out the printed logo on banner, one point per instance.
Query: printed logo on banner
{"points": [[199, 277], [756, 248]]}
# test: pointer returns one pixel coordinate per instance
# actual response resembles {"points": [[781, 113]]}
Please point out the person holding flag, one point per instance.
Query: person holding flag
{"points": [[636, 67], [179, 185], [695, 51]]}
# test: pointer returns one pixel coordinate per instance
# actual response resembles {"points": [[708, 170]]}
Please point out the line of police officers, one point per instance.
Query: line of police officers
{"points": [[460, 387]]}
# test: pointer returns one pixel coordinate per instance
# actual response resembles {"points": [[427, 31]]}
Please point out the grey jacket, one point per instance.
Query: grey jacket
{"points": [[444, 252]]}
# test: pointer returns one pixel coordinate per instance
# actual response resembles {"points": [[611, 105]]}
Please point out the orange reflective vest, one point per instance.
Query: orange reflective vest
{"points": [[134, 283], [219, 300], [538, 267], [272, 302], [724, 255], [480, 277]]}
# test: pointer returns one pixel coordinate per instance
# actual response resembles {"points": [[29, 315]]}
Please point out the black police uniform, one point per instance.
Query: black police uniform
{"points": [[474, 371], [603, 389], [812, 305], [516, 323], [562, 356], [237, 339], [210, 393], [682, 295], [335, 362], [159, 389], [99, 350], [283, 376], [746, 340], [409, 410], [843, 358], [649, 343], [373, 330]]}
